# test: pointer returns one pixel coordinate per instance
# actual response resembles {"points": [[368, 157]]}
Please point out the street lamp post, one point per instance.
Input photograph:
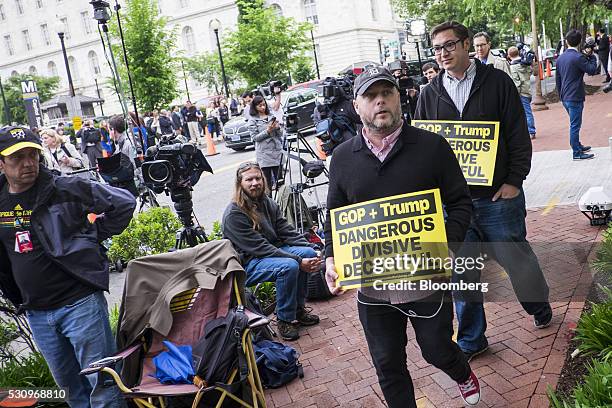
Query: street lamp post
{"points": [[314, 50], [417, 30], [7, 111], [215, 25], [185, 79], [98, 93], [539, 103], [74, 107]]}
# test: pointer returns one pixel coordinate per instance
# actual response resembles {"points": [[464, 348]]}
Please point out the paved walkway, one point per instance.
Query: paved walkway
{"points": [[522, 360]]}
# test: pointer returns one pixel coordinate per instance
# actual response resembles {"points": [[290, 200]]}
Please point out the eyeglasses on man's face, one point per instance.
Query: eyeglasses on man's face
{"points": [[449, 46]]}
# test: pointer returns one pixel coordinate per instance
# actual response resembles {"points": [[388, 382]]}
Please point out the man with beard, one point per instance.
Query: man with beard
{"points": [[270, 248], [391, 158]]}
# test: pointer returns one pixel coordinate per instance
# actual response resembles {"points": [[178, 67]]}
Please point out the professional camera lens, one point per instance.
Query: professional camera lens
{"points": [[157, 172]]}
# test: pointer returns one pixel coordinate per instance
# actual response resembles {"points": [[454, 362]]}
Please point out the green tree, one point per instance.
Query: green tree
{"points": [[206, 69], [264, 46], [148, 43], [476, 14], [302, 70], [12, 90]]}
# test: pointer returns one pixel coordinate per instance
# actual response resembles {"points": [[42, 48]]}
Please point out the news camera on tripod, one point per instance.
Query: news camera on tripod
{"points": [[173, 167]]}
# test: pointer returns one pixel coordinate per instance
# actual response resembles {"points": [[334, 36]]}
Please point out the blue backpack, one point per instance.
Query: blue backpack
{"points": [[277, 363]]}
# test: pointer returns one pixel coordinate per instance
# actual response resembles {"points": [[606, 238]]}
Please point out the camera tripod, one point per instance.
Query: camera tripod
{"points": [[190, 234], [293, 142]]}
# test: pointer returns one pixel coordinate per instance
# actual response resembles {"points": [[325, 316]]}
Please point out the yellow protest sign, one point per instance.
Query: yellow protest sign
{"points": [[474, 143], [77, 123], [389, 239]]}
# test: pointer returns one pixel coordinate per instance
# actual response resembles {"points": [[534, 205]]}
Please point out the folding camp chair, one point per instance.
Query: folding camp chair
{"points": [[190, 310]]}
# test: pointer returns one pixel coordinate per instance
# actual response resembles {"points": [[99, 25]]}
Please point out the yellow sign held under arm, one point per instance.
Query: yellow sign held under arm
{"points": [[474, 143]]}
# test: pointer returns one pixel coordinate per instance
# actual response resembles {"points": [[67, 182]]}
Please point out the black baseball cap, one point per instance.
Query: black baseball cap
{"points": [[14, 138], [371, 75]]}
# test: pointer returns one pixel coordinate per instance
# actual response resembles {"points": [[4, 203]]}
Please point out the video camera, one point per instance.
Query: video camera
{"points": [[267, 90], [335, 89], [175, 166], [400, 70], [335, 116], [527, 55]]}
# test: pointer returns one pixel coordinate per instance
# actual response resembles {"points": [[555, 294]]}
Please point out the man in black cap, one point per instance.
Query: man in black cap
{"points": [[392, 158], [51, 265]]}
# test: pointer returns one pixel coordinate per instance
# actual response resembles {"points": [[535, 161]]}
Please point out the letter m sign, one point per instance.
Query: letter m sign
{"points": [[28, 87]]}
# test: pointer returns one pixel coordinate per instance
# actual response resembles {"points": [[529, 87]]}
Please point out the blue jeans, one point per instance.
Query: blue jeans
{"points": [[526, 101], [70, 338], [574, 110], [501, 225], [290, 280]]}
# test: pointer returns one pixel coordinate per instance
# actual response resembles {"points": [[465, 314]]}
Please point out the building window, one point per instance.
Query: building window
{"points": [[32, 70], [44, 32], [277, 9], [188, 39], [19, 6], [94, 65], [39, 4], [73, 67], [86, 22], [184, 3], [310, 8], [2, 16], [64, 21], [8, 45], [26, 39], [14, 73], [52, 69], [374, 9]]}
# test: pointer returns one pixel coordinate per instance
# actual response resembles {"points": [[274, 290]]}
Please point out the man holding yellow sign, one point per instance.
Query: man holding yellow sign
{"points": [[387, 186], [478, 108]]}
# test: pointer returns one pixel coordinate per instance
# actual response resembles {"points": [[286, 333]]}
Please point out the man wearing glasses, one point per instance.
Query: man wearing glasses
{"points": [[468, 90], [482, 45]]}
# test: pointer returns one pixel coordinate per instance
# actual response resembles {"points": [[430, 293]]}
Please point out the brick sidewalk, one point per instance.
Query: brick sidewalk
{"points": [[516, 370], [552, 125]]}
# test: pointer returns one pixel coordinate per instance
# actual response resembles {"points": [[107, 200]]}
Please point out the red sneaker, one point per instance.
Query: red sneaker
{"points": [[470, 390]]}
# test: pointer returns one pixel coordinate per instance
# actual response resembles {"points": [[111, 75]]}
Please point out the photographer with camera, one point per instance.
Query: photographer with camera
{"points": [[521, 75], [91, 139], [266, 132], [408, 89], [571, 67], [123, 175]]}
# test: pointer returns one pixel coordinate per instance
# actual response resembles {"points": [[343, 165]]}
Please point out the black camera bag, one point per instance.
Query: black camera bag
{"points": [[219, 350]]}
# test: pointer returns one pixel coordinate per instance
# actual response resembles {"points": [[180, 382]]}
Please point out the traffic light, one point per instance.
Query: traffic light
{"points": [[387, 53]]}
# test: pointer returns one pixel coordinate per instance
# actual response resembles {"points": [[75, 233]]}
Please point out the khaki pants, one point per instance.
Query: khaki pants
{"points": [[194, 131]]}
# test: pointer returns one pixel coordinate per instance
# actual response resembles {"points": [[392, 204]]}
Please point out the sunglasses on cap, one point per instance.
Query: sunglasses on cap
{"points": [[247, 165]]}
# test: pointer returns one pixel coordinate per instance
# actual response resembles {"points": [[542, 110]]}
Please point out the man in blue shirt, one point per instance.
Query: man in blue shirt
{"points": [[571, 67]]}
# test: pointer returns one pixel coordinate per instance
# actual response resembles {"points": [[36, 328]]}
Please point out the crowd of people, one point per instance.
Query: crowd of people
{"points": [[44, 228]]}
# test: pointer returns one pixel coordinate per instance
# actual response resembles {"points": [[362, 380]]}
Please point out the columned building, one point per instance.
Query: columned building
{"points": [[345, 32]]}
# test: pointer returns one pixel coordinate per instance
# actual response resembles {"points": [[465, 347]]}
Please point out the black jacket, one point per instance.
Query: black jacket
{"points": [[493, 97], [604, 46], [274, 232], [420, 160], [59, 216]]}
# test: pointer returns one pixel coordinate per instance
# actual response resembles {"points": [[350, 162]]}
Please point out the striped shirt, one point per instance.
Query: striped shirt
{"points": [[459, 89]]}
